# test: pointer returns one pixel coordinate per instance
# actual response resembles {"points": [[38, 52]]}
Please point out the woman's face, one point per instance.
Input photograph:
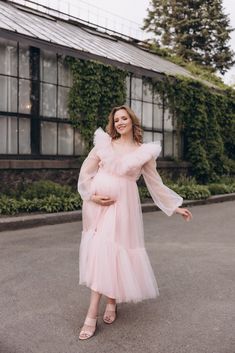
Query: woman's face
{"points": [[122, 122]]}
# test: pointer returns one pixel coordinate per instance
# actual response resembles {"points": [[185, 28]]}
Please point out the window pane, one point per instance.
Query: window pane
{"points": [[168, 144], [147, 92], [11, 135], [148, 136], [177, 145], [136, 88], [157, 117], [24, 96], [48, 137], [65, 140], [8, 135], [8, 57], [24, 61], [3, 135], [48, 67], [136, 106], [24, 136], [157, 136], [157, 98], [79, 144], [63, 95], [128, 87], [8, 96], [147, 115], [64, 74], [168, 124], [48, 100]]}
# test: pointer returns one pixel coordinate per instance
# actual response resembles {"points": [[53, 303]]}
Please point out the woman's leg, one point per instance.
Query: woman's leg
{"points": [[89, 326], [94, 304], [110, 311], [111, 300]]}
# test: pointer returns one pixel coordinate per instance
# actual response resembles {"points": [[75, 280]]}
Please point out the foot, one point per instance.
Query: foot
{"points": [[110, 313], [88, 329]]}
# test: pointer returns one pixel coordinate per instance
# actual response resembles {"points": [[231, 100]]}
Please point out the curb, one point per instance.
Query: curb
{"points": [[30, 221]]}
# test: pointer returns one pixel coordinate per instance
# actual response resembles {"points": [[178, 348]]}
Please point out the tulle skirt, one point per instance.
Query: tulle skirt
{"points": [[112, 257]]}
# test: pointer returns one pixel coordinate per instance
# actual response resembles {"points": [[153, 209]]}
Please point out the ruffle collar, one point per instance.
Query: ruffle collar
{"points": [[102, 140]]}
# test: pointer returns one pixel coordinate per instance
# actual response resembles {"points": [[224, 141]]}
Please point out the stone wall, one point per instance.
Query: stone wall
{"points": [[16, 173]]}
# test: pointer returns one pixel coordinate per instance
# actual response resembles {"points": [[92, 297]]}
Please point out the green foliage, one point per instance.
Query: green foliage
{"points": [[144, 193], [66, 201], [96, 89], [9, 206], [185, 181], [192, 192], [197, 31], [188, 192], [216, 188], [44, 188], [41, 196], [206, 119], [49, 204]]}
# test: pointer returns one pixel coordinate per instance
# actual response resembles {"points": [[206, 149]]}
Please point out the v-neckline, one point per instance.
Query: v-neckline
{"points": [[126, 153]]}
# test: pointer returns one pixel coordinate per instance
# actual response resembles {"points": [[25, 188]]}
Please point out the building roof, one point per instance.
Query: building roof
{"points": [[75, 38]]}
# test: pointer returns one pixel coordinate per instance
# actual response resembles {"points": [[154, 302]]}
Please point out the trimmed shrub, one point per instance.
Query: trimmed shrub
{"points": [[45, 188], [192, 192], [217, 189]]}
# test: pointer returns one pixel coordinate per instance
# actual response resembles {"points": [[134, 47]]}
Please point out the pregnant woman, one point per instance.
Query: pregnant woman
{"points": [[113, 261]]}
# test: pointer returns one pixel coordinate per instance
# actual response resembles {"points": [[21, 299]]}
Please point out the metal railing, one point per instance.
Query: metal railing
{"points": [[84, 12]]}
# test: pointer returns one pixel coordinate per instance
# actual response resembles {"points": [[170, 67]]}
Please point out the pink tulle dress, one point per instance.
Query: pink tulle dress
{"points": [[112, 256]]}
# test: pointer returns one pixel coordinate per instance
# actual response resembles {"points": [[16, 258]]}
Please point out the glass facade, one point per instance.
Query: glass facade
{"points": [[34, 116], [156, 120], [34, 119]]}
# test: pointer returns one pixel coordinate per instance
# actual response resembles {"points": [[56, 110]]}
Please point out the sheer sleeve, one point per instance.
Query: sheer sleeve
{"points": [[166, 199], [87, 172]]}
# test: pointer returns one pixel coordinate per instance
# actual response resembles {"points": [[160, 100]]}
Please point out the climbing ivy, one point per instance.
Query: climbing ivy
{"points": [[205, 116], [96, 89], [207, 120]]}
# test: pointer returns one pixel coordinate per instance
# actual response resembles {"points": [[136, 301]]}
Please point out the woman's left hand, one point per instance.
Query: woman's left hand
{"points": [[185, 213]]}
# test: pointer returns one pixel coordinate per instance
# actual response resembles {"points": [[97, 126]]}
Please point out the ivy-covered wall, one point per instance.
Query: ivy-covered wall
{"points": [[205, 116], [97, 88], [207, 119]]}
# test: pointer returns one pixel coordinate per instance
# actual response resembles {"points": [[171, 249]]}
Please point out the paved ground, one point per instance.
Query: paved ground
{"points": [[42, 307]]}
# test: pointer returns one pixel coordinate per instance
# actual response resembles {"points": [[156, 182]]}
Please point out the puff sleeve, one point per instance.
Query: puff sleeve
{"points": [[90, 165], [166, 199], [88, 170]]}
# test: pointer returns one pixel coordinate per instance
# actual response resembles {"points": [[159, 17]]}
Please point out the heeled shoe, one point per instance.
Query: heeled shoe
{"points": [[108, 317], [87, 333]]}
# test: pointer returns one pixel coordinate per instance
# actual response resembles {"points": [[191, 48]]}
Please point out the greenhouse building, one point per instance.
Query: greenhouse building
{"points": [[36, 133]]}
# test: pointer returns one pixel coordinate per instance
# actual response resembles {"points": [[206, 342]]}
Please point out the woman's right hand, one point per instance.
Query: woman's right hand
{"points": [[102, 200]]}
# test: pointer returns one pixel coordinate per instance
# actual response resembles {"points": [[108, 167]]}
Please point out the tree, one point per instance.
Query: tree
{"points": [[196, 30]]}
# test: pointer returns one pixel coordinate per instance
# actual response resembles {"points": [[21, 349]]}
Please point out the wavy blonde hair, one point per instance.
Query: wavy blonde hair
{"points": [[136, 127]]}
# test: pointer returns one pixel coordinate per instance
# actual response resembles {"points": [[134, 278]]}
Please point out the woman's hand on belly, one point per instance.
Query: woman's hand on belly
{"points": [[102, 200]]}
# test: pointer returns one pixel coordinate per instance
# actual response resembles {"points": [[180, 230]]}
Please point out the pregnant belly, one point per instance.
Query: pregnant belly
{"points": [[106, 185]]}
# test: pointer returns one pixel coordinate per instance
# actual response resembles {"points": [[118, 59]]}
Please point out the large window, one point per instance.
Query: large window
{"points": [[34, 115], [15, 103], [58, 137], [156, 120]]}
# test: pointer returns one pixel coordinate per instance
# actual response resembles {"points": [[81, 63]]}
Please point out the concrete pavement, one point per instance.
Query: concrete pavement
{"points": [[42, 307]]}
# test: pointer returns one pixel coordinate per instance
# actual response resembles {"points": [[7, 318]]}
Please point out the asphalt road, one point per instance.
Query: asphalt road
{"points": [[42, 307]]}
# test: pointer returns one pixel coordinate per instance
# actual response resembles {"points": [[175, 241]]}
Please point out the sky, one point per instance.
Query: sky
{"points": [[136, 10], [126, 16]]}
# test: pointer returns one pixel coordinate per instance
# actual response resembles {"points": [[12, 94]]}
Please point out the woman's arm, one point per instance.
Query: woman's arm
{"points": [[165, 198], [87, 172]]}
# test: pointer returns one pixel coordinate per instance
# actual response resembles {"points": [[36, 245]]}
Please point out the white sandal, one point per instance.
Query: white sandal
{"points": [[86, 332], [110, 314]]}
